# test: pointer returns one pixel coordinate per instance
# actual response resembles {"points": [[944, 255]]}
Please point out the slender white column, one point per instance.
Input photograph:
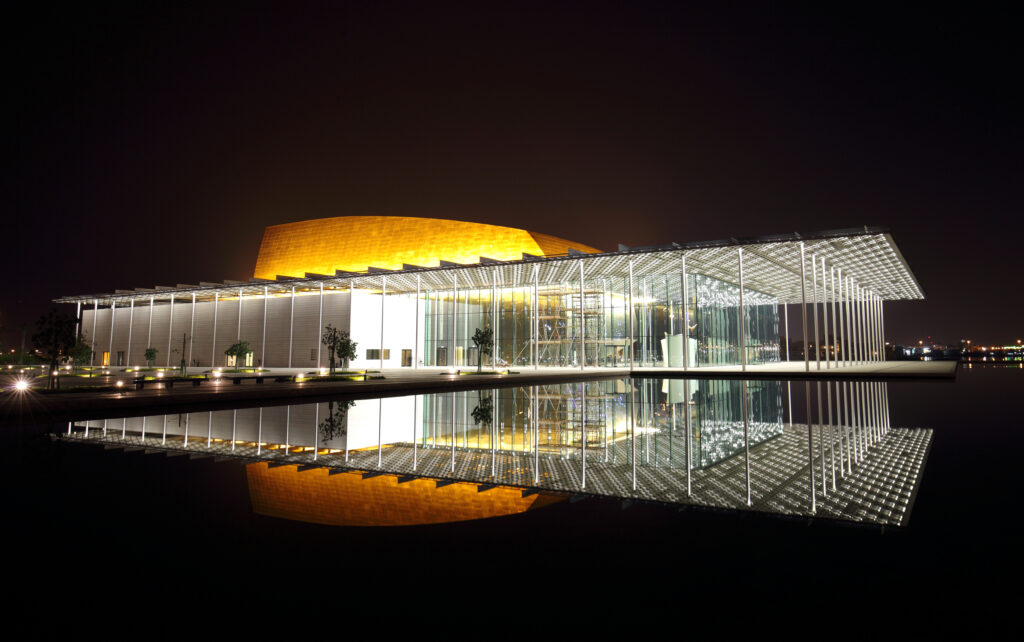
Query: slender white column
{"points": [[686, 316], [170, 329], [814, 305], [842, 334], [95, 313], [785, 314], [583, 323], [743, 331], [191, 333], [803, 311], [149, 332], [455, 339], [213, 349], [78, 318], [383, 295], [882, 325], [629, 318], [320, 324], [415, 355], [862, 324], [835, 330], [851, 357], [494, 318], [110, 350], [263, 340], [291, 328], [536, 320], [824, 317], [131, 320], [238, 334]]}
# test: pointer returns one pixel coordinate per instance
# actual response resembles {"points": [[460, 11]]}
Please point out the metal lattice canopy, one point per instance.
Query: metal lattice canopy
{"points": [[771, 265]]}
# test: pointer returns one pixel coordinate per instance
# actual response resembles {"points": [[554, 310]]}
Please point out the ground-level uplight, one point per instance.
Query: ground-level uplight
{"points": [[21, 385]]}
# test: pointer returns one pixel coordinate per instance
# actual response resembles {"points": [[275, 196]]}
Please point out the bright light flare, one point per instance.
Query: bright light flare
{"points": [[21, 385]]}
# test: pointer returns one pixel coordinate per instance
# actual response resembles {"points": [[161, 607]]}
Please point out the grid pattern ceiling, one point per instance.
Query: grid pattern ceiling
{"points": [[771, 265]]}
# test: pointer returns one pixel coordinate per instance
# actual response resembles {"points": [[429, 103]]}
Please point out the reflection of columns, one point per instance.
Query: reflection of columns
{"points": [[288, 428], [95, 313], [113, 314], [632, 420], [814, 298], [743, 335], [629, 318], [259, 433], [415, 351], [583, 426], [803, 309], [453, 433], [213, 348], [131, 320], [170, 329], [686, 426], [583, 324], [291, 328], [534, 419], [821, 444], [746, 431], [380, 430], [810, 440], [415, 398], [316, 431], [686, 317], [191, 333]]}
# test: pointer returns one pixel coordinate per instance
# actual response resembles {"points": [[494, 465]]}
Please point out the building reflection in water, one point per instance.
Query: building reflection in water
{"points": [[463, 455]]}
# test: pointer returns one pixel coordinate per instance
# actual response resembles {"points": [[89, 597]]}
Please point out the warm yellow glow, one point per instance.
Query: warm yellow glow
{"points": [[354, 243], [349, 500]]}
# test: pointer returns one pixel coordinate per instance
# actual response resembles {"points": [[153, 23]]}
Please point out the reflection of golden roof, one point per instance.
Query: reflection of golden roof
{"points": [[349, 500], [354, 243]]}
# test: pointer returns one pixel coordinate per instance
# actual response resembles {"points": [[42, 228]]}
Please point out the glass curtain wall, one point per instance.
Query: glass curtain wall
{"points": [[712, 337]]}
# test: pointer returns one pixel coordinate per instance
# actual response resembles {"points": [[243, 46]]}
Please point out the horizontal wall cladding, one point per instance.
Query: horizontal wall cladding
{"points": [[305, 336]]}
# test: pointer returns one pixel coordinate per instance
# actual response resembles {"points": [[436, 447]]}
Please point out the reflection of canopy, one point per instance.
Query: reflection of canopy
{"points": [[349, 500]]}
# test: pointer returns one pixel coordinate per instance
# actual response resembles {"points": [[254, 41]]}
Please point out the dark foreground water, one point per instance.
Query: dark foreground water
{"points": [[130, 527]]}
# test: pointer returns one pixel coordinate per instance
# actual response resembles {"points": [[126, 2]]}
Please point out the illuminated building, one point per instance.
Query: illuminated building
{"points": [[412, 292]]}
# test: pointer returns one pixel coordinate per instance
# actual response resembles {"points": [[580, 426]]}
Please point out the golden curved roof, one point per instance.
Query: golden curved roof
{"points": [[354, 243]]}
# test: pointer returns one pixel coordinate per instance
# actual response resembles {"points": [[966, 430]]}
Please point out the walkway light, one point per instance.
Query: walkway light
{"points": [[160, 375], [119, 384], [21, 385]]}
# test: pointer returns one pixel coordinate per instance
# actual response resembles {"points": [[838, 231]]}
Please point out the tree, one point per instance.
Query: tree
{"points": [[484, 340], [80, 352], [54, 338], [339, 346], [238, 351], [150, 355]]}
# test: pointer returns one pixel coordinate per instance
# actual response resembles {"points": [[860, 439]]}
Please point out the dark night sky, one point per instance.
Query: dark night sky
{"points": [[151, 144]]}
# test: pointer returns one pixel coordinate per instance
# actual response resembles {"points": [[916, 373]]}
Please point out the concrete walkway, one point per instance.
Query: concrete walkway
{"points": [[32, 407]]}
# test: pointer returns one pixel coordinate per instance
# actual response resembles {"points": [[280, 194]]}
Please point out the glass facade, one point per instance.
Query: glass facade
{"points": [[548, 323]]}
